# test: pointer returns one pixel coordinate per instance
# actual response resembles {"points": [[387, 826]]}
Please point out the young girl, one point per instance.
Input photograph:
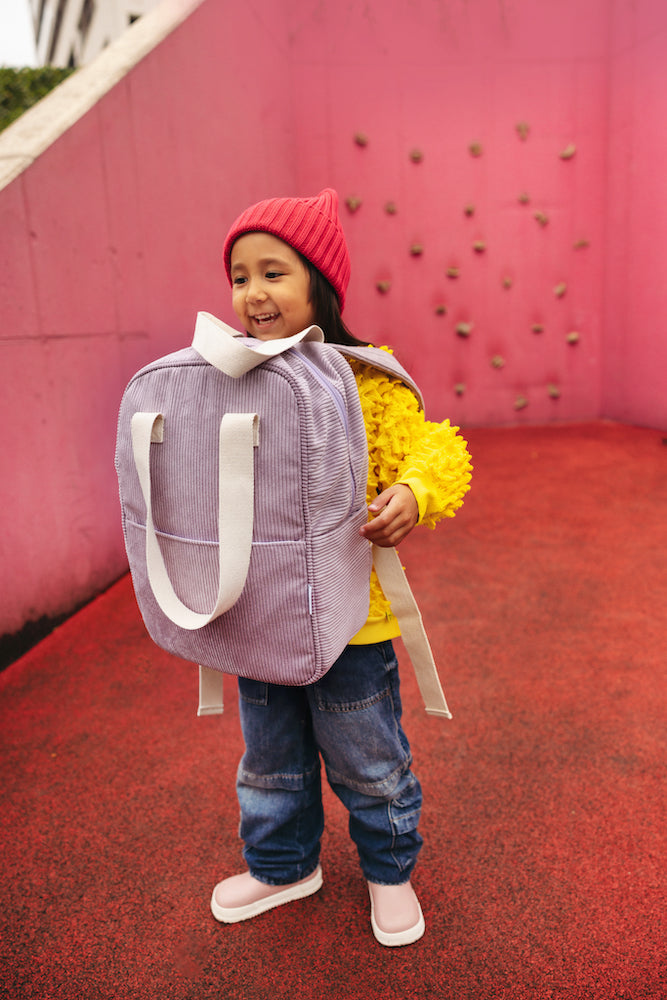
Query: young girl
{"points": [[288, 265]]}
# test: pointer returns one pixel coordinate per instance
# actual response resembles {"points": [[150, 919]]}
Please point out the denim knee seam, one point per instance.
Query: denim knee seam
{"points": [[290, 782], [382, 789]]}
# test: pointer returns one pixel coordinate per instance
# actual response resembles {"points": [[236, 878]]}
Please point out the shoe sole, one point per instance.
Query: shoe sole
{"points": [[234, 914], [396, 939]]}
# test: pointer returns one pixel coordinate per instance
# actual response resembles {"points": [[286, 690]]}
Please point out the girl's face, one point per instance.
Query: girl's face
{"points": [[270, 287]]}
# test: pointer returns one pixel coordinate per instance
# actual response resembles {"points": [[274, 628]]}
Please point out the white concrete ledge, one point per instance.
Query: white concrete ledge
{"points": [[26, 138]]}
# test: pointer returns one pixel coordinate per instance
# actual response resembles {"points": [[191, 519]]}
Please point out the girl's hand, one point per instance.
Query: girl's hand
{"points": [[397, 514]]}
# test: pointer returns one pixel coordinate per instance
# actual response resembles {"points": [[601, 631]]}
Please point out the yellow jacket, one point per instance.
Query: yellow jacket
{"points": [[404, 447]]}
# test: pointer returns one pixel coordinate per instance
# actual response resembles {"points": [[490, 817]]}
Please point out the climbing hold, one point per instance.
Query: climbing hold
{"points": [[507, 282], [460, 388], [440, 309], [520, 403], [416, 249], [390, 208], [353, 203], [453, 272], [469, 210], [568, 152], [560, 290], [475, 149], [524, 198], [523, 128], [479, 246], [553, 391], [572, 338], [383, 286], [542, 218], [581, 244], [537, 328], [464, 329], [497, 361], [416, 155], [361, 139]]}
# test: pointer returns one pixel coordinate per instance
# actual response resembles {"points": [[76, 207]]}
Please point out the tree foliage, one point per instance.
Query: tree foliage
{"points": [[21, 88]]}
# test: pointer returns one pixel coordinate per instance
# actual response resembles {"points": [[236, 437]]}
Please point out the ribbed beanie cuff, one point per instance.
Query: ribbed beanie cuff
{"points": [[309, 225]]}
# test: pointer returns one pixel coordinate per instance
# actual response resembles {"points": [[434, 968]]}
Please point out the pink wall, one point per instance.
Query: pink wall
{"points": [[110, 241]]}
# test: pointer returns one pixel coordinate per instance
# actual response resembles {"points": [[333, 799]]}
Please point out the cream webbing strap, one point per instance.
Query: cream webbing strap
{"points": [[211, 700], [397, 590], [238, 436], [235, 355]]}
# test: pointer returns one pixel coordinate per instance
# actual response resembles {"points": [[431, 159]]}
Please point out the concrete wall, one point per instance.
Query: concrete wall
{"points": [[109, 243], [110, 238]]}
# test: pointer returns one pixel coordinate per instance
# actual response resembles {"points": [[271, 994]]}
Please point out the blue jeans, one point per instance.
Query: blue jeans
{"points": [[352, 718]]}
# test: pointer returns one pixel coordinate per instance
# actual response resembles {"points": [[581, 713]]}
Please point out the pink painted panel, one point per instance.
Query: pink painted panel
{"points": [[422, 32], [19, 315], [67, 212], [26, 483], [634, 22], [127, 246], [635, 361], [203, 150], [56, 469]]}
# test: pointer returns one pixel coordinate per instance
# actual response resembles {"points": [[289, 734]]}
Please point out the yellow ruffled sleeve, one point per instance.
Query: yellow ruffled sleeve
{"points": [[431, 458]]}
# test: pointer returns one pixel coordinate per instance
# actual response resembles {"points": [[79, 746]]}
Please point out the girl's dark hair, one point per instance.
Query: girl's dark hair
{"points": [[326, 308]]}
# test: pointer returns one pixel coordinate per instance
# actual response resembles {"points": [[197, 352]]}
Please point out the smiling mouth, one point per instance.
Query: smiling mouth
{"points": [[264, 319]]}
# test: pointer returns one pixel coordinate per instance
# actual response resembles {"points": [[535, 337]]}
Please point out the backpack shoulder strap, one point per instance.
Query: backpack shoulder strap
{"points": [[384, 362], [397, 590]]}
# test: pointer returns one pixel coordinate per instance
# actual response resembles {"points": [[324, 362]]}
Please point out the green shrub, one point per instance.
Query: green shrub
{"points": [[21, 88]]}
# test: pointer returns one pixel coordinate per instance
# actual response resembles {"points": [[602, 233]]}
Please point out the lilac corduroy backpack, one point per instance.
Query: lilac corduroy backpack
{"points": [[242, 469]]}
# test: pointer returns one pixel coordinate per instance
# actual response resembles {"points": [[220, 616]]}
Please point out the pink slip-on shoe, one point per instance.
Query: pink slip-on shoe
{"points": [[242, 896], [396, 916]]}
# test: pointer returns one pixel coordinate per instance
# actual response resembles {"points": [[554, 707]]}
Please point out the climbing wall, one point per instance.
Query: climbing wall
{"points": [[496, 319], [467, 141]]}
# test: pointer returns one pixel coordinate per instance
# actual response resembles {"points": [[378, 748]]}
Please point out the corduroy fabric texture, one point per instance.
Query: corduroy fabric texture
{"points": [[307, 589], [309, 225]]}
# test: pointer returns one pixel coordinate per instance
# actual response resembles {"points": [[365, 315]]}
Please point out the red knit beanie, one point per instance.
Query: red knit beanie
{"points": [[309, 225]]}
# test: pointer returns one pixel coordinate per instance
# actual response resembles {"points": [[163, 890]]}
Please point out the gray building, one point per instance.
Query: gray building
{"points": [[73, 32]]}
